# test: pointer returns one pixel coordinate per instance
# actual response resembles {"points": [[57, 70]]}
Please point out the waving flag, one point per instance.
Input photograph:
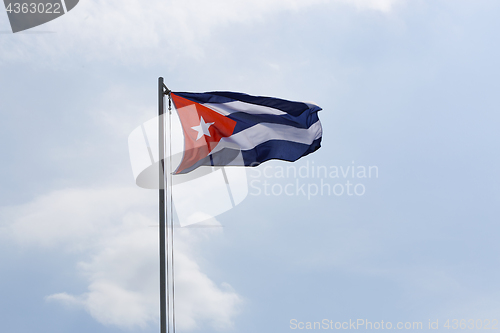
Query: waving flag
{"points": [[228, 128]]}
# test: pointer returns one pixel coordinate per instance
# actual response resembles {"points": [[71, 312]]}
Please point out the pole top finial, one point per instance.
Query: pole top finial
{"points": [[165, 89]]}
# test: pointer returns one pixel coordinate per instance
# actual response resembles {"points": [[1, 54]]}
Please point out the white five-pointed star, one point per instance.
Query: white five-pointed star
{"points": [[202, 128]]}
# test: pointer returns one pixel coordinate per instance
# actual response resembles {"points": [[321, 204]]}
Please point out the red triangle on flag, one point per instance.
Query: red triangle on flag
{"points": [[203, 129]]}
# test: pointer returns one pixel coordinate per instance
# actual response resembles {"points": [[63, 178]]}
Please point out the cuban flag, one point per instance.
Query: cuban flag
{"points": [[228, 128]]}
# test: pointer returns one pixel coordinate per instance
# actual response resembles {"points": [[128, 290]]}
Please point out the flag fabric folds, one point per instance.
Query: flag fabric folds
{"points": [[229, 128]]}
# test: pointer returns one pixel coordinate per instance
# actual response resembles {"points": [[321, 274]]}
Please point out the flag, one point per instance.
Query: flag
{"points": [[229, 128]]}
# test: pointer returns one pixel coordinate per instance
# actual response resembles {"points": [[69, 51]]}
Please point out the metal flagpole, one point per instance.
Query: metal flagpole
{"points": [[167, 286], [161, 184]]}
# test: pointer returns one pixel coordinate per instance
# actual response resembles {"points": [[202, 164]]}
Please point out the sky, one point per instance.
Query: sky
{"points": [[408, 91]]}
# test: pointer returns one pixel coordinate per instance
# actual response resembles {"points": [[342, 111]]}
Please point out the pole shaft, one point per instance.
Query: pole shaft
{"points": [[161, 183]]}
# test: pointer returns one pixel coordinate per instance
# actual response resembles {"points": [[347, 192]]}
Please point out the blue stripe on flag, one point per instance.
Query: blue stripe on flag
{"points": [[292, 108], [278, 149], [204, 97], [246, 120], [273, 149]]}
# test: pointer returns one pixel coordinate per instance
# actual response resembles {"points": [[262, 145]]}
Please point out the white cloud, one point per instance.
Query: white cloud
{"points": [[72, 217], [108, 225], [135, 31]]}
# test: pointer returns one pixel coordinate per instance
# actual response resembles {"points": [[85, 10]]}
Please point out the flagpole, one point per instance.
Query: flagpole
{"points": [[161, 183]]}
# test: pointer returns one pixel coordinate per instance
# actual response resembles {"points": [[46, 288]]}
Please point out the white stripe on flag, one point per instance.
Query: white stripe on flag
{"points": [[237, 106], [260, 133]]}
